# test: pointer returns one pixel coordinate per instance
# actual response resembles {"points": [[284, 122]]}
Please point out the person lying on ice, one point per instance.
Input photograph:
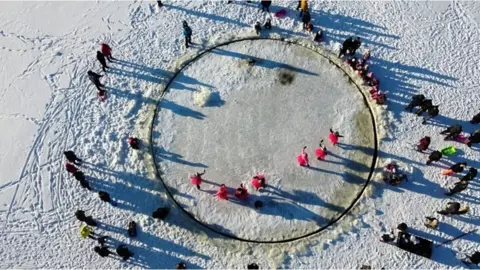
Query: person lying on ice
{"points": [[455, 168], [241, 192], [454, 208], [452, 132], [434, 157], [415, 102], [424, 144], [459, 187], [472, 173]]}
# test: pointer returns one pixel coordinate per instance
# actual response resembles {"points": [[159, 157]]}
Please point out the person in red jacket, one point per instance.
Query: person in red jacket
{"points": [[71, 168], [107, 51], [241, 192], [424, 143], [134, 143]]}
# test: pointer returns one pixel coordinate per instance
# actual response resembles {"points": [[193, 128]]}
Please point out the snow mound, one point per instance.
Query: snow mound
{"points": [[202, 97]]}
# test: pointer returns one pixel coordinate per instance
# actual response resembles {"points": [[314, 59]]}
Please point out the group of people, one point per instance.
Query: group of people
{"points": [[103, 55], [321, 151], [425, 105]]}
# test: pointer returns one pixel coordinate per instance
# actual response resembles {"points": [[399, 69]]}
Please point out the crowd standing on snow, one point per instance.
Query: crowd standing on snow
{"points": [[258, 181]]}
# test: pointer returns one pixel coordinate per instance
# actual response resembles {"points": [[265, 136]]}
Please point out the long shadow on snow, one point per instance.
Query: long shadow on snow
{"points": [[209, 16], [162, 153], [180, 110]]}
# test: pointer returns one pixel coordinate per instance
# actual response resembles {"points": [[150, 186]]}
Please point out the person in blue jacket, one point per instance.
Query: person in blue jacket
{"points": [[187, 32]]}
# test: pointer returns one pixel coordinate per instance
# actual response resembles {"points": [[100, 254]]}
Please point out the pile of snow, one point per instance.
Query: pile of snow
{"points": [[202, 97]]}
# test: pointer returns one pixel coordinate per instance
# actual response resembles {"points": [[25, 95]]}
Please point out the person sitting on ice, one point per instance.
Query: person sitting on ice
{"points": [[388, 237], [241, 192], [222, 192], [196, 179], [454, 208], [432, 112], [321, 152], [472, 173], [475, 138], [458, 187], [434, 157], [452, 132], [258, 181], [302, 159], [134, 143], [334, 136], [415, 102], [423, 144], [424, 106], [431, 222], [455, 168]]}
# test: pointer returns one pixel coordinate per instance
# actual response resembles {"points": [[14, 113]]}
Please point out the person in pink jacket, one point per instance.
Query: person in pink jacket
{"points": [[222, 192], [302, 159], [258, 181], [241, 192], [334, 136], [321, 152], [196, 179]]}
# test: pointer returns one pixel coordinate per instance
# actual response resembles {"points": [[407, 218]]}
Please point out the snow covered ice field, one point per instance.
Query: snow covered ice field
{"points": [[47, 105]]}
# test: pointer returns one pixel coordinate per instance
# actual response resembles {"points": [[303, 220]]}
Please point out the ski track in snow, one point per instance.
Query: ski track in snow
{"points": [[417, 47]]}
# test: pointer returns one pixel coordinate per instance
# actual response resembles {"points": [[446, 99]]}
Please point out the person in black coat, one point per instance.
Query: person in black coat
{"points": [[123, 252], [71, 157], [266, 5], [356, 43], [452, 132], [161, 213], [102, 251], [459, 187], [476, 119], [472, 173], [347, 44], [306, 19], [104, 196], [95, 79], [475, 138], [415, 102], [80, 215], [424, 106], [101, 59], [434, 156], [433, 112]]}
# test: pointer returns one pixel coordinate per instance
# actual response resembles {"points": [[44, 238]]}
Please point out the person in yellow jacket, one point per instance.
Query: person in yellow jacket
{"points": [[303, 7], [86, 231]]}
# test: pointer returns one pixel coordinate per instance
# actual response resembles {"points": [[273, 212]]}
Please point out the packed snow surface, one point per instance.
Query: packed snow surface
{"points": [[47, 105]]}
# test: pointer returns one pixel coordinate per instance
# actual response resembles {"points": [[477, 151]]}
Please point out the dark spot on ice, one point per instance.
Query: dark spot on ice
{"points": [[285, 77], [59, 54]]}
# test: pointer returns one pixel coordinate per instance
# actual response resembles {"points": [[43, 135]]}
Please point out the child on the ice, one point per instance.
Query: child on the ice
{"points": [[134, 143], [222, 192], [472, 173], [434, 156], [257, 28], [475, 138], [107, 51], [321, 152], [475, 119], [196, 179], [424, 143], [456, 168], [71, 157], [415, 102], [95, 79], [101, 59], [187, 33], [334, 136], [459, 187], [71, 168], [452, 132], [241, 192], [258, 181], [302, 159]]}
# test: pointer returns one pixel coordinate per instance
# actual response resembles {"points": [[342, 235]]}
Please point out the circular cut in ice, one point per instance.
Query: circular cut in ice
{"points": [[269, 99]]}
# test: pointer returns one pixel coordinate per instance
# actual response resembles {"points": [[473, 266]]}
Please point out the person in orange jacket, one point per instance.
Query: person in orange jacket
{"points": [[303, 7]]}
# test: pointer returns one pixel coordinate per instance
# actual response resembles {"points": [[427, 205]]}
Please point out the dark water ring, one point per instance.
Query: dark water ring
{"points": [[231, 236]]}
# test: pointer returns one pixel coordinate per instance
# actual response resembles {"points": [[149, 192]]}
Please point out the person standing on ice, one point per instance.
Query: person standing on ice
{"points": [[306, 19], [302, 159], [134, 143], [472, 173], [257, 28], [303, 7], [424, 143], [107, 51], [196, 179], [434, 157], [321, 152], [187, 32], [334, 136], [101, 59], [266, 5], [71, 168], [72, 158], [222, 192], [258, 181], [475, 138], [95, 79]]}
